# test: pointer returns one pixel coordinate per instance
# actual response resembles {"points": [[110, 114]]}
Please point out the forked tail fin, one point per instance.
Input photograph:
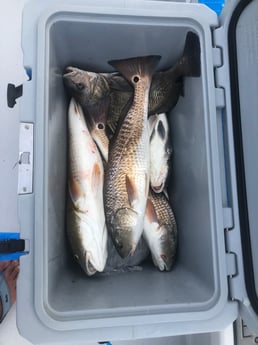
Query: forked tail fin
{"points": [[138, 67], [190, 60]]}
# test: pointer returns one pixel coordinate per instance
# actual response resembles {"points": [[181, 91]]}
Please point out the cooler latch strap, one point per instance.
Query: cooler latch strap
{"points": [[12, 246]]}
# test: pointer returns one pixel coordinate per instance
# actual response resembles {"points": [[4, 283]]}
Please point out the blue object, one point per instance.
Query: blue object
{"points": [[28, 72], [215, 5], [9, 236]]}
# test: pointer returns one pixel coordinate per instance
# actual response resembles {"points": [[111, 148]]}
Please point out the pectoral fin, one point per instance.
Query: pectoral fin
{"points": [[96, 177], [150, 212], [147, 184], [132, 191], [76, 194], [75, 190]]}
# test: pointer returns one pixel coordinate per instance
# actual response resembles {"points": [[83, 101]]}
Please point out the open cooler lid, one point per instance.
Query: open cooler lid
{"points": [[239, 21]]}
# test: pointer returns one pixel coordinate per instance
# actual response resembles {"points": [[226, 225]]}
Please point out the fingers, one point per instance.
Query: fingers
{"points": [[11, 273], [12, 270], [15, 272], [3, 265]]}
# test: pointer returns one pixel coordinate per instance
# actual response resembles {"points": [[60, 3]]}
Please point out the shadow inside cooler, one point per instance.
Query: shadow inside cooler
{"points": [[88, 42]]}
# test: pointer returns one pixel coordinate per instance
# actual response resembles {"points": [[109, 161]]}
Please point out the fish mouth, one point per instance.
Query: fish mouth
{"points": [[158, 189], [162, 262], [70, 71], [167, 262], [90, 270], [125, 251]]}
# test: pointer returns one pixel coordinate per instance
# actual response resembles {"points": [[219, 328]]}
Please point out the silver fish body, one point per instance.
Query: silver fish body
{"points": [[160, 231], [86, 226], [127, 174], [160, 151]]}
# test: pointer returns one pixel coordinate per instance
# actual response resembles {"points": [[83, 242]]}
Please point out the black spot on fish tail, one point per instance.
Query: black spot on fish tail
{"points": [[191, 55], [96, 113], [161, 130], [135, 68], [101, 125]]}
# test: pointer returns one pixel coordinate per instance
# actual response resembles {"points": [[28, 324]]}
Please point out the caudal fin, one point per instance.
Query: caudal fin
{"points": [[191, 56], [134, 68]]}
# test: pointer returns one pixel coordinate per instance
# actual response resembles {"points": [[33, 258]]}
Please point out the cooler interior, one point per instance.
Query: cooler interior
{"points": [[88, 42]]}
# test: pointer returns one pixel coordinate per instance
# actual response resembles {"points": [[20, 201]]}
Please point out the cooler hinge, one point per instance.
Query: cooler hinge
{"points": [[218, 37], [228, 218], [219, 73], [232, 268], [231, 257], [234, 279]]}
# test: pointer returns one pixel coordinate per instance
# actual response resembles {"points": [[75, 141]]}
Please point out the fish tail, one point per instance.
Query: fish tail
{"points": [[136, 67], [190, 60]]}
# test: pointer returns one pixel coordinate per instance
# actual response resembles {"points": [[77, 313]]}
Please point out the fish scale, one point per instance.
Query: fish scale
{"points": [[127, 174], [86, 228], [160, 231]]}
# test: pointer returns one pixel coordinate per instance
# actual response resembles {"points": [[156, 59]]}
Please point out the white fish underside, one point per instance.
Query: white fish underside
{"points": [[86, 190], [159, 152]]}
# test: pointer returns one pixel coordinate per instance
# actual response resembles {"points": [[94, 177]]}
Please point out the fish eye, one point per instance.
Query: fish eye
{"points": [[136, 79], [80, 86], [163, 257], [101, 125]]}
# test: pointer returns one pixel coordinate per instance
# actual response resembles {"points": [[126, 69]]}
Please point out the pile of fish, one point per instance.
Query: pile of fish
{"points": [[119, 153]]}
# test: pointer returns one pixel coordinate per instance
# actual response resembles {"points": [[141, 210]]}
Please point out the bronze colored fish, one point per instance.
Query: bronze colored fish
{"points": [[160, 231], [87, 88], [126, 181], [92, 92], [166, 86]]}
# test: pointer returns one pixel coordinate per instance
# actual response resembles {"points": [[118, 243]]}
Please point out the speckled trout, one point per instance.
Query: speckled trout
{"points": [[86, 226], [126, 182]]}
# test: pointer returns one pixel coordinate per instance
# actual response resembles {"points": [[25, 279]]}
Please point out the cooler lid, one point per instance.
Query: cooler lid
{"points": [[239, 20]]}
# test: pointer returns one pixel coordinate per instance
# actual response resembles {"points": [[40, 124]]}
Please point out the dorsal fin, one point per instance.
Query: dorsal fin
{"points": [[150, 212]]}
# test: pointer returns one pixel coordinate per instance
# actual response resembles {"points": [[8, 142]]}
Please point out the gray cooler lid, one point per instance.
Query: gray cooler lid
{"points": [[239, 21]]}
